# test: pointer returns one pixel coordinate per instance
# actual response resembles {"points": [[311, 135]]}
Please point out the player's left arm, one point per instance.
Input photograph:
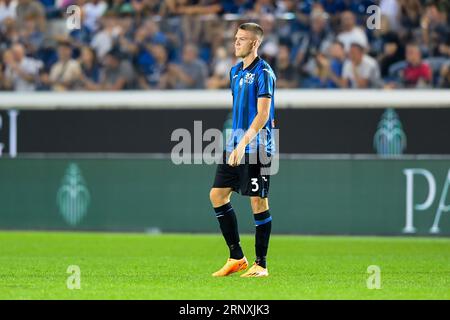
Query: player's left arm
{"points": [[257, 124]]}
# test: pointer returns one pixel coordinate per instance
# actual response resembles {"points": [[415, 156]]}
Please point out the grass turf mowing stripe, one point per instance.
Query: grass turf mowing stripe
{"points": [[178, 266]]}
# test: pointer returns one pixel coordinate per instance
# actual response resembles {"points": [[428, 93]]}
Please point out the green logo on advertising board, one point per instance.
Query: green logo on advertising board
{"points": [[73, 197], [389, 140]]}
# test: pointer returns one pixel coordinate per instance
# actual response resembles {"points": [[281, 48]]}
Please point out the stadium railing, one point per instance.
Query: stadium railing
{"points": [[192, 99]]}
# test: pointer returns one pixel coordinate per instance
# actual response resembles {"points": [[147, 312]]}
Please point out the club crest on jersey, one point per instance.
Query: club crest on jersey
{"points": [[249, 78]]}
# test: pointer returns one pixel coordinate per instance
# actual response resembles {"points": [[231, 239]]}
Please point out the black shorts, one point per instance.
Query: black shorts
{"points": [[248, 178]]}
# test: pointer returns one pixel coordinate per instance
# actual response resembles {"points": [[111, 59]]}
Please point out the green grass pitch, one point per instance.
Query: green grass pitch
{"points": [[33, 265]]}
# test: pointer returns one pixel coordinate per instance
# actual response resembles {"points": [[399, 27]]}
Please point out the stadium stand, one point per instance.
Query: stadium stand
{"points": [[182, 44]]}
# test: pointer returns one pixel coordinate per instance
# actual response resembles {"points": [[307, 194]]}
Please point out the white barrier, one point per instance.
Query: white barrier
{"points": [[207, 99]]}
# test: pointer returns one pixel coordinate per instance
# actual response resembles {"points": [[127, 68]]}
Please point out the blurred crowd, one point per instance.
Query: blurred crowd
{"points": [[183, 44]]}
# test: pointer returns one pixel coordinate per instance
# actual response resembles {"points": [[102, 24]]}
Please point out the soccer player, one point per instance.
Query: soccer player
{"points": [[252, 84]]}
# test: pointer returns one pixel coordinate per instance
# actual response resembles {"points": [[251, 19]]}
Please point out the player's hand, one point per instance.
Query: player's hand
{"points": [[236, 156]]}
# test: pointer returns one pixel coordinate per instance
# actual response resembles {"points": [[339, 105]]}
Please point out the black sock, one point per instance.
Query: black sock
{"points": [[263, 222], [228, 224]]}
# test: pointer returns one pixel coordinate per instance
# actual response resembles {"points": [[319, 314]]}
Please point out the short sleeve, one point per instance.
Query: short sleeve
{"points": [[231, 83], [347, 70], [427, 73], [367, 71], [266, 83]]}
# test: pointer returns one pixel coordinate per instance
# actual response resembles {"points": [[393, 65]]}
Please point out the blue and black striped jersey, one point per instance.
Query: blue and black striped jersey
{"points": [[247, 85]]}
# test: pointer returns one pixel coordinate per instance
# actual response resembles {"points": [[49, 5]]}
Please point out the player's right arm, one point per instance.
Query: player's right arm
{"points": [[265, 91]]}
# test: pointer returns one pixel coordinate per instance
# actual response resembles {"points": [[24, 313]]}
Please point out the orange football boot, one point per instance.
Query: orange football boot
{"points": [[231, 266]]}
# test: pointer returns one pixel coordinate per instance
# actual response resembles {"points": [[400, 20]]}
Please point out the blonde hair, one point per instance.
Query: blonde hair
{"points": [[253, 27]]}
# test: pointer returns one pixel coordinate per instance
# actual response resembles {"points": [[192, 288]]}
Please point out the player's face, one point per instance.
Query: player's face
{"points": [[244, 42]]}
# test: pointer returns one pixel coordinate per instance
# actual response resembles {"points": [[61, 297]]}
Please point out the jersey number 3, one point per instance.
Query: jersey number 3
{"points": [[255, 184]]}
